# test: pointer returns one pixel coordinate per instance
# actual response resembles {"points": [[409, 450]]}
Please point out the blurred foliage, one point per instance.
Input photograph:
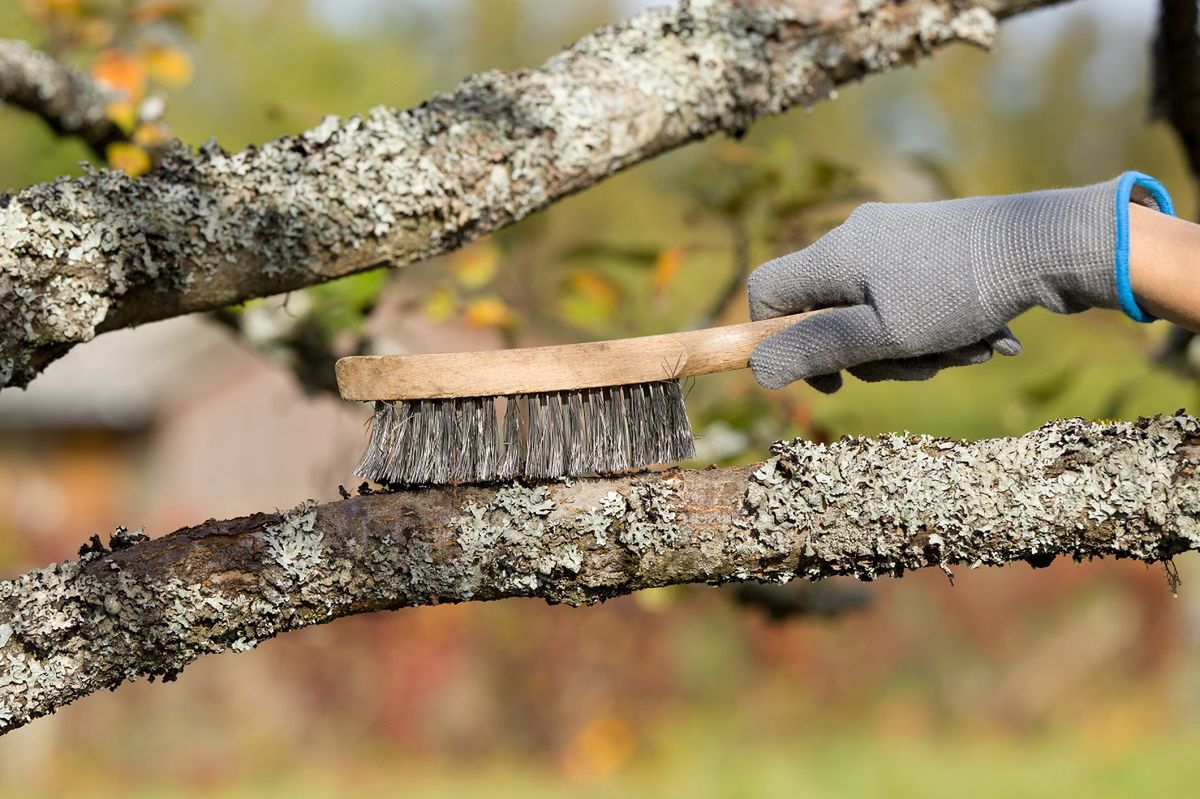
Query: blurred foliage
{"points": [[1071, 681], [132, 47]]}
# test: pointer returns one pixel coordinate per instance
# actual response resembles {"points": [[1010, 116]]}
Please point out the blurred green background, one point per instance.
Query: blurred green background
{"points": [[1076, 680]]}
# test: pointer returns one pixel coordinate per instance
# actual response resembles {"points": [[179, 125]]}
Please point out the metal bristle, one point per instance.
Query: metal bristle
{"points": [[540, 436]]}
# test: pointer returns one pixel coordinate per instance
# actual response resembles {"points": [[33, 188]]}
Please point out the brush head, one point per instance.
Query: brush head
{"points": [[538, 436]]}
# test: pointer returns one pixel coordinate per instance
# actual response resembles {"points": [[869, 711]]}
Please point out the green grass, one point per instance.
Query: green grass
{"points": [[707, 759]]}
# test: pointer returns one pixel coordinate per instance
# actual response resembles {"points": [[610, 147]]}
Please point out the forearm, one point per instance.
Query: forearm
{"points": [[1164, 252]]}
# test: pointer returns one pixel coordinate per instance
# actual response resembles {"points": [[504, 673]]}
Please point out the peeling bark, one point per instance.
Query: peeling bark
{"points": [[865, 507], [209, 228], [69, 101]]}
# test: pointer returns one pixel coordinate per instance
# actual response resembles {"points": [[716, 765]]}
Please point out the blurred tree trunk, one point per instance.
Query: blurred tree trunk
{"points": [[1176, 96], [1176, 100]]}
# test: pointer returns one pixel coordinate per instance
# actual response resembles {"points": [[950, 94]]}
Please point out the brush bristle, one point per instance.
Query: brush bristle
{"points": [[540, 436]]}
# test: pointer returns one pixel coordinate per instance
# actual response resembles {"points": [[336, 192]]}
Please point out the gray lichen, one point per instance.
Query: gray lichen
{"points": [[648, 521], [75, 627], [209, 228], [521, 537], [862, 506], [293, 544], [929, 501]]}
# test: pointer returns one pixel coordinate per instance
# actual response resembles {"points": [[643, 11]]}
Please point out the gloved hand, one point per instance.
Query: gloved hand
{"points": [[923, 286]]}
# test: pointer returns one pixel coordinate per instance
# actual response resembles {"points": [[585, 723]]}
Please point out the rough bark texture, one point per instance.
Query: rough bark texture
{"points": [[70, 102], [210, 228], [862, 507]]}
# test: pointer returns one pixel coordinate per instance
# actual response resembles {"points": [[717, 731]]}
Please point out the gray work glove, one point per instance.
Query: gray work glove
{"points": [[924, 286]]}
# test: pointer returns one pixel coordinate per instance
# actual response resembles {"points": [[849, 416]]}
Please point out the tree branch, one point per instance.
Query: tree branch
{"points": [[69, 101], [207, 229], [862, 507]]}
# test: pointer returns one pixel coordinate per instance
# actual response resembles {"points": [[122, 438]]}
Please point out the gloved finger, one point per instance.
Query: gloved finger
{"points": [[973, 353], [826, 384], [810, 278], [922, 367], [826, 342], [1004, 342]]}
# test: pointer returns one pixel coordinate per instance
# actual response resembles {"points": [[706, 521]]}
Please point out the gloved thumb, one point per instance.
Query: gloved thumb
{"points": [[821, 344]]}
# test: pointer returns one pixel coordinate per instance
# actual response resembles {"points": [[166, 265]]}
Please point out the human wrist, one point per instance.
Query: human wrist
{"points": [[1162, 256], [1141, 200]]}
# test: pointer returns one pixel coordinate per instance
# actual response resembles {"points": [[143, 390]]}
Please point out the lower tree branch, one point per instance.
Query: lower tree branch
{"points": [[208, 229], [69, 101], [862, 507]]}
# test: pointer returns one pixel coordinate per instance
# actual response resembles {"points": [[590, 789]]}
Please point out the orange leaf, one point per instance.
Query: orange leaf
{"points": [[588, 299], [129, 158], [596, 288], [95, 32], [154, 10], [604, 745], [150, 134], [121, 71], [52, 10], [168, 65], [489, 311], [63, 9], [666, 268]]}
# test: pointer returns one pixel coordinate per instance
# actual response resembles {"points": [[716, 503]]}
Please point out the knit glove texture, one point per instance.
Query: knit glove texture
{"points": [[912, 288]]}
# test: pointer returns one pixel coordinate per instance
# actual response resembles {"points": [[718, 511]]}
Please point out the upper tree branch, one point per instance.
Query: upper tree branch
{"points": [[70, 101], [207, 229], [862, 507]]}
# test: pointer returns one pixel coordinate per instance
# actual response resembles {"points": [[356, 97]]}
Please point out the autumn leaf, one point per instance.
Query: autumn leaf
{"points": [[441, 305], [595, 287], [124, 114], [168, 65], [490, 311], [129, 158], [604, 745], [474, 267], [150, 134], [121, 71], [53, 9], [737, 153], [155, 10], [588, 299], [666, 268], [95, 32]]}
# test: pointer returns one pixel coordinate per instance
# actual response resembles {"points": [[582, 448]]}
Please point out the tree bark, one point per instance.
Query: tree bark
{"points": [[209, 228], [865, 507], [69, 101]]}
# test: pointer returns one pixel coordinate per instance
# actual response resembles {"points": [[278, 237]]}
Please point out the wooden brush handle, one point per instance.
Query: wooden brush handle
{"points": [[563, 367]]}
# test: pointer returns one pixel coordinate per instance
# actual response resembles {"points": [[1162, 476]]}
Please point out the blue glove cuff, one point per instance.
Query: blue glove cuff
{"points": [[1158, 193]]}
